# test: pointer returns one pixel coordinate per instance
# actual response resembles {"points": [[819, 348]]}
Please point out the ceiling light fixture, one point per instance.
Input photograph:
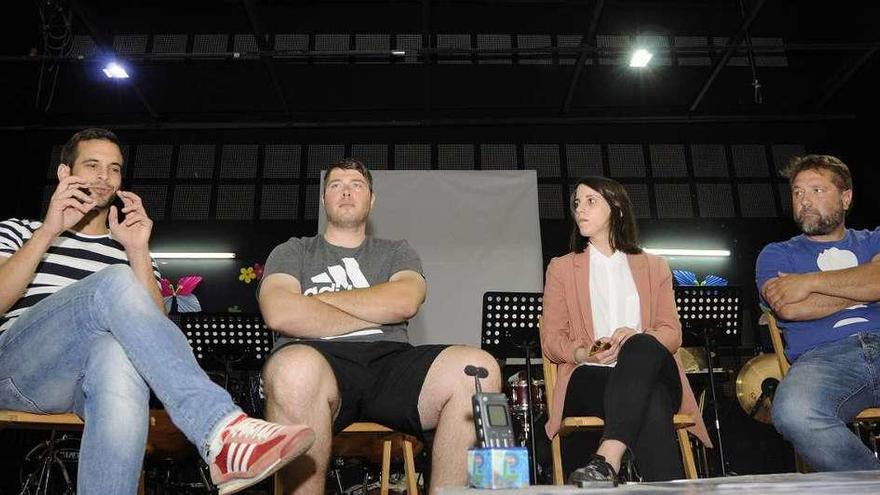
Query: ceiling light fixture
{"points": [[115, 71], [714, 253], [192, 256], [640, 58]]}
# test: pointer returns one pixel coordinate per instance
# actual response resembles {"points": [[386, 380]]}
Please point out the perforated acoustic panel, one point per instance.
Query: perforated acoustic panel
{"points": [[239, 161], [412, 156], [543, 158], [551, 202], [195, 161], [498, 157], [455, 156], [153, 161], [626, 160], [374, 156], [715, 200], [583, 160], [749, 160], [667, 160], [709, 160], [282, 161]]}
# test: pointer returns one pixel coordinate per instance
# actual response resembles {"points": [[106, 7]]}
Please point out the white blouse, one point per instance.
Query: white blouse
{"points": [[613, 295]]}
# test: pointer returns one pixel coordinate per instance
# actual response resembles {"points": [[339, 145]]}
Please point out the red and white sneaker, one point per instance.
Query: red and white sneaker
{"points": [[253, 450]]}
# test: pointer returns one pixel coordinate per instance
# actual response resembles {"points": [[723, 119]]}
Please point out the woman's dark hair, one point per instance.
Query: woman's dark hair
{"points": [[623, 234]]}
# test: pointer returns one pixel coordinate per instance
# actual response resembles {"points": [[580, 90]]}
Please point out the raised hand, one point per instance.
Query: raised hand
{"points": [[68, 205], [134, 231]]}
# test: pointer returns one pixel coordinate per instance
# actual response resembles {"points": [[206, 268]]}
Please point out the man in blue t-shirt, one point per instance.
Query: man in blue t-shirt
{"points": [[824, 288]]}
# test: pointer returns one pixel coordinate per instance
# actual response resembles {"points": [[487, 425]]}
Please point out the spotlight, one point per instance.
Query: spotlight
{"points": [[115, 71], [640, 58]]}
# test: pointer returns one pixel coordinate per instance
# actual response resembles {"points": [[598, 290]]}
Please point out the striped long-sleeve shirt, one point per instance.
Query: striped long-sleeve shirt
{"points": [[71, 257]]}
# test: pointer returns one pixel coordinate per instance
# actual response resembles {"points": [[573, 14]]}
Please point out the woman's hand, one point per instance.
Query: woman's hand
{"points": [[606, 355]]}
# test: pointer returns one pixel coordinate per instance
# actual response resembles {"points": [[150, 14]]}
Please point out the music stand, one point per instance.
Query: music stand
{"points": [[713, 313], [510, 329], [222, 340]]}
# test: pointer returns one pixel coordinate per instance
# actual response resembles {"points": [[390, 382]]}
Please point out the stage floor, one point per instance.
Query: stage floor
{"points": [[852, 482]]}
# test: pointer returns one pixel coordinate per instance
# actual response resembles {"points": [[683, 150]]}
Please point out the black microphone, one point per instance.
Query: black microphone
{"points": [[768, 391], [768, 387], [477, 372]]}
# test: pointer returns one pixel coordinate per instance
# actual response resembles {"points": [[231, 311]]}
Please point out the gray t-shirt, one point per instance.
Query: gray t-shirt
{"points": [[322, 267]]}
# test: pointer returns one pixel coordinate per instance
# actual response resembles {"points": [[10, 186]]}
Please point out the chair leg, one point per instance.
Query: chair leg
{"points": [[276, 484], [556, 448], [409, 464], [687, 454], [386, 466]]}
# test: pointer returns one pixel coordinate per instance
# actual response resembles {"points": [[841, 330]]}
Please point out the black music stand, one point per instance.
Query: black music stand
{"points": [[712, 313], [510, 329], [230, 343]]}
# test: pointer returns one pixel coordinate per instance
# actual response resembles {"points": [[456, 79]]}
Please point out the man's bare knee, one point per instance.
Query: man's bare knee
{"points": [[298, 378]]}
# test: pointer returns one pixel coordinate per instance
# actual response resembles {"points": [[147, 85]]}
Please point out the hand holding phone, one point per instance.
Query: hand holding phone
{"points": [[599, 346]]}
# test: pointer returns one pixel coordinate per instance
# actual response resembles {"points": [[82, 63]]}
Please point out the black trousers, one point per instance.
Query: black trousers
{"points": [[637, 399]]}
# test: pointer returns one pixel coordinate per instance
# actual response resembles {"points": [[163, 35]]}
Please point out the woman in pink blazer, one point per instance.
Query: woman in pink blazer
{"points": [[608, 294]]}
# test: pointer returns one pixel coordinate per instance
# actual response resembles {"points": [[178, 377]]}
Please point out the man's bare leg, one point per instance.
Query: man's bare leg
{"points": [[445, 404], [301, 389]]}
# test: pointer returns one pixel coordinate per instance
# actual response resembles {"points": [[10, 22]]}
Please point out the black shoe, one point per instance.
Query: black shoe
{"points": [[596, 474], [628, 471]]}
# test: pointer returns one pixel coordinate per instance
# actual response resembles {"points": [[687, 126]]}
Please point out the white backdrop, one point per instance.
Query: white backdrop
{"points": [[475, 231]]}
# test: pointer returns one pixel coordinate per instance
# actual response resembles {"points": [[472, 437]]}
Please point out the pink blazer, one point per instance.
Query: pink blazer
{"points": [[568, 322]]}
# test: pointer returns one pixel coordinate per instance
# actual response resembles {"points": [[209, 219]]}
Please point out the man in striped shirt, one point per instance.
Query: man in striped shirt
{"points": [[83, 330]]}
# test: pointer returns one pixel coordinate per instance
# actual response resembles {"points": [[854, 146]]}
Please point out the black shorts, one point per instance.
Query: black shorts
{"points": [[378, 381]]}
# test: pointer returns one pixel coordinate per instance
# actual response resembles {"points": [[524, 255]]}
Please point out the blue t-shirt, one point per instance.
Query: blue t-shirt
{"points": [[801, 255]]}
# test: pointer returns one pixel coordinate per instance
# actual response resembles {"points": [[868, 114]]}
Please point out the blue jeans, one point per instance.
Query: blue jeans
{"points": [[824, 390], [96, 348]]}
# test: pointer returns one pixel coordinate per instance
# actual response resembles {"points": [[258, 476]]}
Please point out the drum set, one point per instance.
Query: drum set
{"points": [[518, 397]]}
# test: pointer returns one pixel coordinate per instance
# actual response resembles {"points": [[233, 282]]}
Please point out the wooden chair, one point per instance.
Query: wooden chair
{"points": [[163, 436], [571, 424], [869, 415], [360, 440]]}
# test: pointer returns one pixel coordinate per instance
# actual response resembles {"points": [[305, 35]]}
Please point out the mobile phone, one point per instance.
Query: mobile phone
{"points": [[118, 203], [599, 346]]}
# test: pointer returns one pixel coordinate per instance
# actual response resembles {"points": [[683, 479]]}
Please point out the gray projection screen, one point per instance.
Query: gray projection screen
{"points": [[475, 231]]}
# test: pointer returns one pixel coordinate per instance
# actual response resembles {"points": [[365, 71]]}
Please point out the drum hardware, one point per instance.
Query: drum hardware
{"points": [[50, 467]]}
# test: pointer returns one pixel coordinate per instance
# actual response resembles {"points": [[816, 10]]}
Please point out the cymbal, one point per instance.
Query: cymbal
{"points": [[749, 384], [693, 358]]}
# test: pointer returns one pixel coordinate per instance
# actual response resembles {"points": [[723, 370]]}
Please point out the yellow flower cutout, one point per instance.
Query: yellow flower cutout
{"points": [[247, 274]]}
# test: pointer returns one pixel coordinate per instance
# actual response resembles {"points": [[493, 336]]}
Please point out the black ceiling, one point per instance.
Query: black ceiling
{"points": [[252, 63]]}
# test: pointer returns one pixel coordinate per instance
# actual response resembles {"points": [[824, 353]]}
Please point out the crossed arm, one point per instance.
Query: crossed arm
{"points": [[288, 311], [809, 296]]}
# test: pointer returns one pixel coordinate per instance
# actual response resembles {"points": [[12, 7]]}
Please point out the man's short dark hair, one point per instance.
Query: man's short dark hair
{"points": [[71, 147], [350, 164], [840, 175]]}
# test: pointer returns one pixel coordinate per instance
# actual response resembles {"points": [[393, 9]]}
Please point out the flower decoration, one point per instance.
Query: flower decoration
{"points": [[247, 274], [251, 273], [187, 302]]}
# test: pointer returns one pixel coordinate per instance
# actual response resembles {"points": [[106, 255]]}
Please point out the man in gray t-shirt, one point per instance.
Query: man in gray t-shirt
{"points": [[322, 267], [340, 302]]}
